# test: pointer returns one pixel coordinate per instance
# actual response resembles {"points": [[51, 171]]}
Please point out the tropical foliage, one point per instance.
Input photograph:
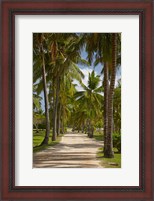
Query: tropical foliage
{"points": [[57, 75]]}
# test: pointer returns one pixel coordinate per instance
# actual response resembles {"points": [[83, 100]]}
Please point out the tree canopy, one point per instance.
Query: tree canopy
{"points": [[57, 61]]}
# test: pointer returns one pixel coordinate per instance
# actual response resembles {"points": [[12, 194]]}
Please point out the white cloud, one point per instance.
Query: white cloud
{"points": [[86, 72]]}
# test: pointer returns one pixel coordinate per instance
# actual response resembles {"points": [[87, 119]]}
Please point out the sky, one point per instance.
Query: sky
{"points": [[89, 69], [86, 71]]}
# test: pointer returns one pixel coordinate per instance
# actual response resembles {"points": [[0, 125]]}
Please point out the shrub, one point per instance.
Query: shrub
{"points": [[117, 141], [41, 126]]}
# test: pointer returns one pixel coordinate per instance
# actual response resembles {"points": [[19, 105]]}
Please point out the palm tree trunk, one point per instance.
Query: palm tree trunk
{"points": [[88, 127], [62, 121], [54, 136], [54, 114], [46, 139], [109, 142], [83, 126], [91, 132], [58, 119], [106, 91]]}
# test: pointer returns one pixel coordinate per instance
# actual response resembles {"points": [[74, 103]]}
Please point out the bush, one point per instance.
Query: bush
{"points": [[117, 141], [41, 126]]}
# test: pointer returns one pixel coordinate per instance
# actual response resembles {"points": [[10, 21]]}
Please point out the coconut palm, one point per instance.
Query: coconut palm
{"points": [[89, 101], [64, 62], [39, 58], [105, 56], [117, 108], [56, 59], [100, 45], [108, 152]]}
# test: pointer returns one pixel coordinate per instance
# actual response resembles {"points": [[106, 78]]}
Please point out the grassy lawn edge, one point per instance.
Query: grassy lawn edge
{"points": [[39, 137], [109, 162]]}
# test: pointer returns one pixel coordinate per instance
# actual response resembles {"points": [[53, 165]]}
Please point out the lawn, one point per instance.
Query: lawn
{"points": [[38, 138], [98, 136], [107, 162]]}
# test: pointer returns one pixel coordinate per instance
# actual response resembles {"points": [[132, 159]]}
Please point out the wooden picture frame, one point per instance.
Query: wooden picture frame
{"points": [[145, 10]]}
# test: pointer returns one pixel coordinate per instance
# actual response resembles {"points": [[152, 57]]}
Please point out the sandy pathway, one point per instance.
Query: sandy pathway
{"points": [[75, 150]]}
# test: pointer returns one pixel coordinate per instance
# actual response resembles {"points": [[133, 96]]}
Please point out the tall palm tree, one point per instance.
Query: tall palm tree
{"points": [[105, 55], [64, 59], [39, 55], [106, 91], [108, 152], [90, 101], [99, 44]]}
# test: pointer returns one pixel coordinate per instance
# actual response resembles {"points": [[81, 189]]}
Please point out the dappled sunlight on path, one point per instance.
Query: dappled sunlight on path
{"points": [[75, 150]]}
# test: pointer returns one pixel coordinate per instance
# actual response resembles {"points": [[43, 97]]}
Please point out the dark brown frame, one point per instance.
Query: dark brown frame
{"points": [[9, 9]]}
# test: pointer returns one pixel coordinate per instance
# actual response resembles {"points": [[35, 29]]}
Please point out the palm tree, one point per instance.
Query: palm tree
{"points": [[117, 108], [64, 58], [56, 59], [103, 46], [89, 101], [36, 107], [39, 57], [36, 99], [100, 45], [106, 91], [108, 152]]}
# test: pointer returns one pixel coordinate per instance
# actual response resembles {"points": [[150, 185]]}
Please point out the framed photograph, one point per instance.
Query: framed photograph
{"points": [[76, 100]]}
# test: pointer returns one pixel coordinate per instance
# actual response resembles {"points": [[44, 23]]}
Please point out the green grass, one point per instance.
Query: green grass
{"points": [[105, 162], [109, 162], [38, 138], [98, 136]]}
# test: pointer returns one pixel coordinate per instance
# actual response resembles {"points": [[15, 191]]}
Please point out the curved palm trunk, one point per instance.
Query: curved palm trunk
{"points": [[109, 142], [106, 91], [46, 139]]}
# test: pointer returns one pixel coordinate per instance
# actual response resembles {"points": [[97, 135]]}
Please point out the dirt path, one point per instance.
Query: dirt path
{"points": [[75, 150]]}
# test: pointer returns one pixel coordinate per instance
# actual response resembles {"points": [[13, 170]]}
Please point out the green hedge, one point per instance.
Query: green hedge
{"points": [[117, 141]]}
